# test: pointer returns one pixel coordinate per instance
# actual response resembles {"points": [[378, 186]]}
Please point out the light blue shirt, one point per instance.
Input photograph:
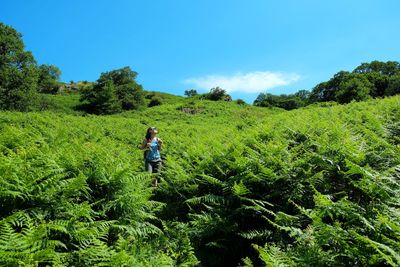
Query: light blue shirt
{"points": [[153, 153]]}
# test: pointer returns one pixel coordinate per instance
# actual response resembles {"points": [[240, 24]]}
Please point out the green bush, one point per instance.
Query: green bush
{"points": [[155, 101], [240, 102], [217, 94]]}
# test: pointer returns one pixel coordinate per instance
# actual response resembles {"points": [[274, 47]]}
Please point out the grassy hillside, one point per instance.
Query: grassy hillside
{"points": [[68, 101], [164, 98], [317, 186]]}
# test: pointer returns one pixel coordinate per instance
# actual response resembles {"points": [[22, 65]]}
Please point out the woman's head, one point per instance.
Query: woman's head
{"points": [[151, 131]]}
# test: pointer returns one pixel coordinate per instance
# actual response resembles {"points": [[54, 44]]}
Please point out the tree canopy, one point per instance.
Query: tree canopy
{"points": [[49, 76], [216, 94], [113, 92], [18, 72], [190, 93], [368, 80], [287, 102]]}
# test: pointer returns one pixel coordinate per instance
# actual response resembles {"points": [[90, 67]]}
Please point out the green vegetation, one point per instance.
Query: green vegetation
{"points": [[24, 84], [49, 77], [67, 103], [369, 80], [72, 196], [18, 72], [217, 94], [191, 92], [314, 186], [153, 98], [113, 92], [287, 102], [317, 186]]}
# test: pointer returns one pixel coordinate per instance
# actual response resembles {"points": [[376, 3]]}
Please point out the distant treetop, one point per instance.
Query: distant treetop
{"points": [[368, 80]]}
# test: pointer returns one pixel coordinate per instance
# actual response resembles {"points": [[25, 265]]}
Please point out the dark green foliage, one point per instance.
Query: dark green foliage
{"points": [[367, 80], [325, 91], [304, 95], [18, 72], [217, 94], [49, 77], [128, 92], [191, 92], [113, 92], [375, 79], [388, 68], [155, 101], [353, 87], [379, 83], [287, 102], [394, 85], [240, 102], [101, 99]]}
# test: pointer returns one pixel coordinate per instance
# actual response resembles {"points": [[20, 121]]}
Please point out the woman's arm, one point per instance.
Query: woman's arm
{"points": [[160, 142], [145, 145]]}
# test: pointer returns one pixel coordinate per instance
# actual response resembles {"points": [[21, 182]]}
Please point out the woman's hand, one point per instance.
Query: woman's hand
{"points": [[160, 142], [145, 145]]}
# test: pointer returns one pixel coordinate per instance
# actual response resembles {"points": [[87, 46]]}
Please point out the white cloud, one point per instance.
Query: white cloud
{"points": [[251, 82]]}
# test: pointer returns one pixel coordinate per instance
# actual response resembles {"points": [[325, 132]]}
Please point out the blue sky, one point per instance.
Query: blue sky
{"points": [[243, 46]]}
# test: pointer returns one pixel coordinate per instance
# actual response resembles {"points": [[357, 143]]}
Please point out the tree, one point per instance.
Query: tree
{"points": [[379, 81], [290, 102], [240, 102], [304, 95], [190, 93], [387, 68], [394, 85], [18, 72], [374, 79], [121, 89], [354, 87], [101, 99], [49, 75], [287, 102], [325, 91], [378, 73], [217, 93], [128, 91], [265, 100]]}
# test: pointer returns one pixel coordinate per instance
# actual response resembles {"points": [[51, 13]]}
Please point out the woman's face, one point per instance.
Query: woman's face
{"points": [[153, 130]]}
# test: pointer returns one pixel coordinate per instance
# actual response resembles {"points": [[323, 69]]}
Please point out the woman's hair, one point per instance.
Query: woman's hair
{"points": [[148, 134]]}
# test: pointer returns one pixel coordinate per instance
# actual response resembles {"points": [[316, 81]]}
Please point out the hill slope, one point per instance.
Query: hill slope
{"points": [[319, 185], [68, 101]]}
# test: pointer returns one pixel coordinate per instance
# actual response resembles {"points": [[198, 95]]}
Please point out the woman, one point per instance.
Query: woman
{"points": [[152, 146]]}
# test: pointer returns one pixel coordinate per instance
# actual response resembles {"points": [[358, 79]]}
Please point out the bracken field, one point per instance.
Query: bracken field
{"points": [[240, 186]]}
